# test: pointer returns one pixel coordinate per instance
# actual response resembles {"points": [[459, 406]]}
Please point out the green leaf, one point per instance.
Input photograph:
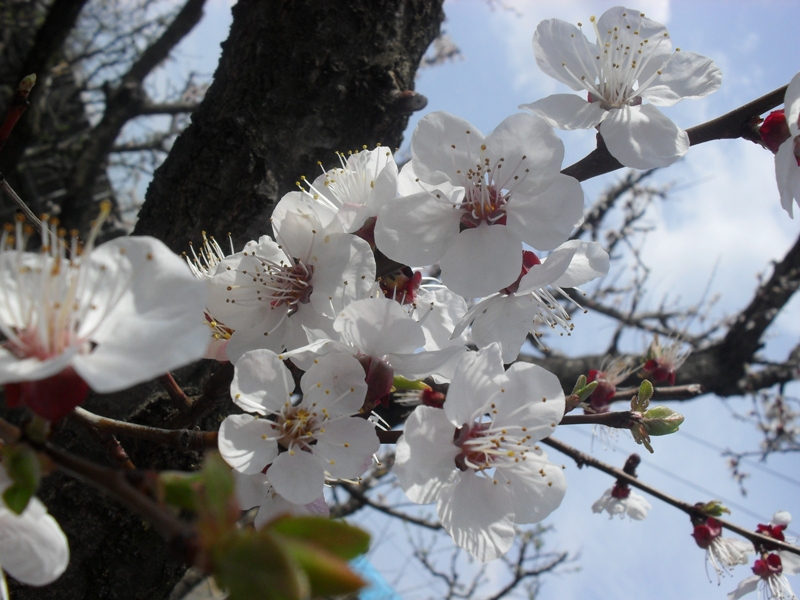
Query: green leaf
{"points": [[579, 384], [662, 420], [328, 574], [587, 390], [180, 489], [401, 383], [17, 497], [256, 566], [338, 538], [219, 485], [641, 401], [22, 466]]}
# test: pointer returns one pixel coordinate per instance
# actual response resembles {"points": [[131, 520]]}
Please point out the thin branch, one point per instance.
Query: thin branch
{"points": [[731, 125], [183, 439], [365, 500], [581, 458]]}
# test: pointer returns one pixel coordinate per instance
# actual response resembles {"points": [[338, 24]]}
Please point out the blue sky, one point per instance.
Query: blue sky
{"points": [[724, 217]]}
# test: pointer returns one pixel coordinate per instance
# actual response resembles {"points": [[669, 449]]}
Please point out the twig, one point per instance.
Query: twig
{"points": [[729, 126], [183, 439], [361, 497], [176, 393], [581, 458], [215, 391]]}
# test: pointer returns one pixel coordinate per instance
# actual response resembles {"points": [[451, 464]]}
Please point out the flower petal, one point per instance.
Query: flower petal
{"points": [[156, 326], [476, 511], [247, 444], [346, 445], [444, 143], [589, 262], [297, 476], [536, 490], [641, 137], [417, 230], [792, 105], [335, 383], [425, 454], [482, 260], [477, 378], [567, 111], [687, 76], [33, 549], [506, 320], [547, 219], [261, 382], [560, 49], [379, 326], [787, 174]]}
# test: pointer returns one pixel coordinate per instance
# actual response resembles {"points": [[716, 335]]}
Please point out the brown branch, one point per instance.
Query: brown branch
{"points": [[176, 393], [731, 125], [172, 108], [581, 458], [365, 500], [122, 104], [677, 392], [215, 391], [619, 420], [182, 439]]}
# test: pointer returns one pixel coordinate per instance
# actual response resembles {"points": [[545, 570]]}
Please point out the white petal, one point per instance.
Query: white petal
{"points": [[559, 46], [156, 326], [790, 562], [335, 383], [266, 334], [506, 320], [545, 220], [346, 446], [417, 230], [687, 76], [379, 326], [33, 549], [438, 312], [792, 105], [533, 398], [782, 517], [787, 174], [622, 17], [638, 506], [745, 587], [15, 370], [529, 149], [567, 111], [274, 505], [344, 270], [477, 514], [547, 273], [444, 143], [425, 454], [313, 213], [641, 137], [476, 379], [482, 260], [261, 382], [422, 364], [297, 476], [247, 444], [251, 490], [589, 262], [536, 490]]}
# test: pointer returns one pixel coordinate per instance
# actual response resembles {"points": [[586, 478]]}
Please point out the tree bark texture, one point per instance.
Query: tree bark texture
{"points": [[297, 81]]}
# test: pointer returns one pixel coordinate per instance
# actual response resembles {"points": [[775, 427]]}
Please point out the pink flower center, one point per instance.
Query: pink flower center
{"points": [[705, 534], [401, 285]]}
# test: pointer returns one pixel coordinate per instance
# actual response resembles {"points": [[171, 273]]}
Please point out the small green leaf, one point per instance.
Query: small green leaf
{"points": [[17, 497], [180, 489], [641, 400], [401, 383], [218, 485], [662, 420], [579, 385], [22, 466], [714, 508], [338, 538], [587, 390], [256, 566], [328, 574]]}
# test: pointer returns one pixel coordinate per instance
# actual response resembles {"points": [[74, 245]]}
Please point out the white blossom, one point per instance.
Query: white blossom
{"points": [[256, 491], [787, 160], [624, 502], [302, 443], [33, 549], [107, 317], [632, 61], [478, 200], [478, 458]]}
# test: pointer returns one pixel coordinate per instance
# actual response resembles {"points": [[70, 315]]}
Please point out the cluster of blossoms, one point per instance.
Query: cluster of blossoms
{"points": [[495, 214]]}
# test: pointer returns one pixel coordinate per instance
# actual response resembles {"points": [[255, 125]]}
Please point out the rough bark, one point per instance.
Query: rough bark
{"points": [[296, 82]]}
